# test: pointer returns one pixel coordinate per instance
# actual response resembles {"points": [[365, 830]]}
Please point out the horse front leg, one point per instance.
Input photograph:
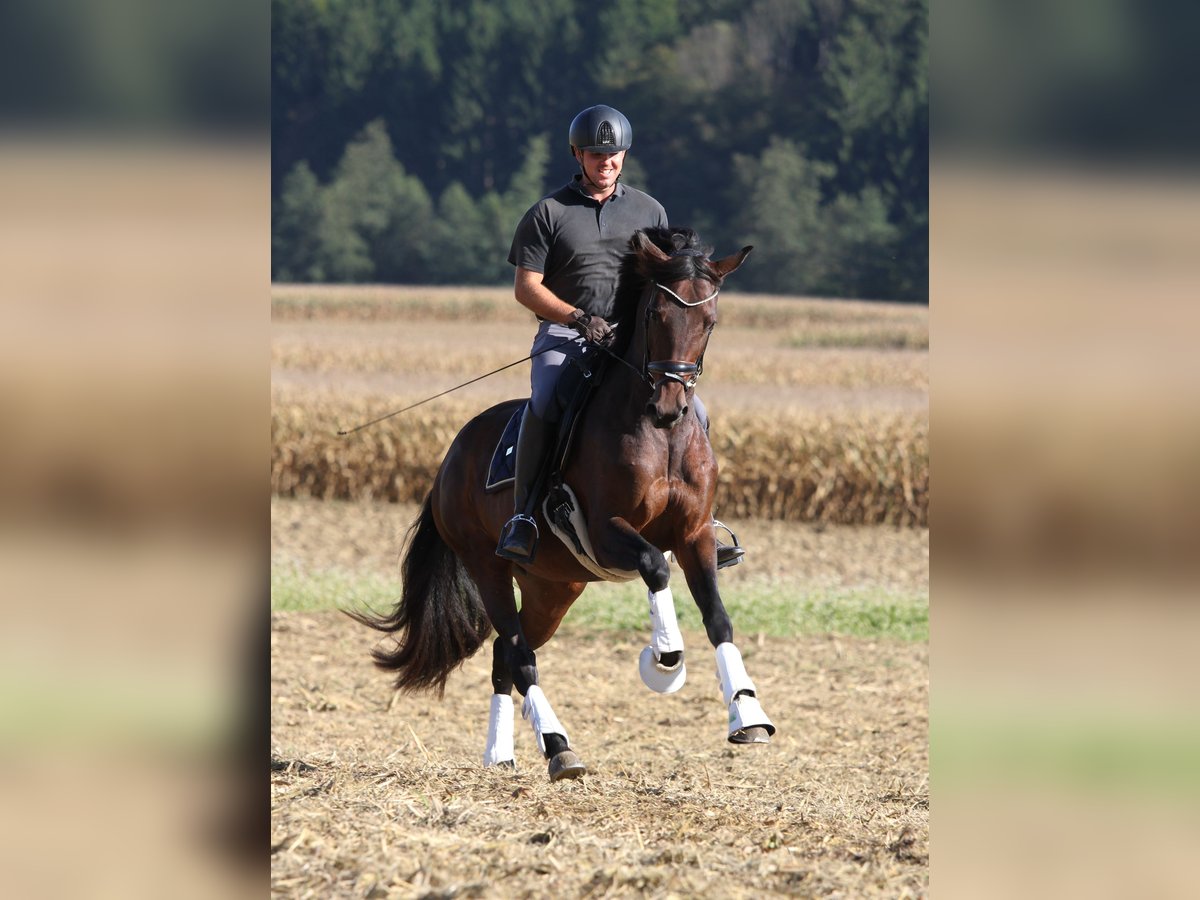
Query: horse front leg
{"points": [[661, 663], [748, 723]]}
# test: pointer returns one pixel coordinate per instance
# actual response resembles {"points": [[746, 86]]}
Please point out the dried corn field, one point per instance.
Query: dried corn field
{"points": [[818, 417]]}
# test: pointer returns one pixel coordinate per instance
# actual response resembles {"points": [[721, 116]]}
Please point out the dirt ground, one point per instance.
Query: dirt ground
{"points": [[376, 794]]}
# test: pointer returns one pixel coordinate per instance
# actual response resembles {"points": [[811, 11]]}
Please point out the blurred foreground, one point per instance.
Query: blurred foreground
{"points": [[1065, 430], [133, 518], [1065, 426]]}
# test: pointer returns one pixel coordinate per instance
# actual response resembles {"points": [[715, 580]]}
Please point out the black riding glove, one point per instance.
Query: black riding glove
{"points": [[593, 328]]}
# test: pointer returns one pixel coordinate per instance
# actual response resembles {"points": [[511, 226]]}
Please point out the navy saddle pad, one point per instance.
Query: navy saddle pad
{"points": [[503, 467]]}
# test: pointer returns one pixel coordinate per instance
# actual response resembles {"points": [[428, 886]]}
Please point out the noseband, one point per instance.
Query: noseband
{"points": [[657, 371]]}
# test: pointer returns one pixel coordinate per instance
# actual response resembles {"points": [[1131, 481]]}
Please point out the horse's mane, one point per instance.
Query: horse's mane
{"points": [[639, 269]]}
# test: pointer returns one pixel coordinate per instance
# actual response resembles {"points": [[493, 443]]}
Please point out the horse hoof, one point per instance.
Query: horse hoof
{"points": [[566, 765], [504, 764], [755, 734]]}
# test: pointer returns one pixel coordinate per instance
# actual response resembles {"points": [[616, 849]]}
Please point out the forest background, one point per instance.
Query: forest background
{"points": [[409, 136]]}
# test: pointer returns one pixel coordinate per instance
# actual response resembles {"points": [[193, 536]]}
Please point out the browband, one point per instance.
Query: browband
{"points": [[685, 302]]}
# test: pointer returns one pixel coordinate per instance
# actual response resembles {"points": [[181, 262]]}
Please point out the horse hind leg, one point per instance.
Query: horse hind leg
{"points": [[544, 603], [748, 723], [514, 664], [499, 749], [549, 731], [551, 736], [536, 710]]}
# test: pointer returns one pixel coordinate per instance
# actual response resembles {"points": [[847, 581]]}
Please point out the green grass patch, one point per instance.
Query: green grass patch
{"points": [[772, 609], [775, 610], [1106, 751], [331, 589]]}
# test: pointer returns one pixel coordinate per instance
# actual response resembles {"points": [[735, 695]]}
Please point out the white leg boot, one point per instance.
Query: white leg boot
{"points": [[745, 712], [536, 710], [499, 749], [564, 764], [665, 637]]}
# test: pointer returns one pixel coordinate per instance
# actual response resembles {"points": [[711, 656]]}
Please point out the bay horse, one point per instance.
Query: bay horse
{"points": [[645, 477]]}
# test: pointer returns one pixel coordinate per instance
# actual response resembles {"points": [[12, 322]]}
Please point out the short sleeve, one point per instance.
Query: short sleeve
{"points": [[531, 242], [662, 217]]}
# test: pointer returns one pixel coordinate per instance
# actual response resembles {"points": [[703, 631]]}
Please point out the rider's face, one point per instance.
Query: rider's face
{"points": [[602, 169]]}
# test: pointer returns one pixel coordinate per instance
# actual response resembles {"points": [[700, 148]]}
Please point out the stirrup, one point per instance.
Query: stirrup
{"points": [[728, 555], [516, 543]]}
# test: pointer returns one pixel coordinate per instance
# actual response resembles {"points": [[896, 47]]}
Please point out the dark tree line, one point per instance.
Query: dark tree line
{"points": [[410, 135]]}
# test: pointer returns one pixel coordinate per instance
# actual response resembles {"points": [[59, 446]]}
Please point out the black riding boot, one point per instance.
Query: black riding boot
{"points": [[518, 540], [727, 554]]}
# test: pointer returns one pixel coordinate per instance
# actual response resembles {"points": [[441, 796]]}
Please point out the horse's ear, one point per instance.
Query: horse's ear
{"points": [[730, 263], [644, 245]]}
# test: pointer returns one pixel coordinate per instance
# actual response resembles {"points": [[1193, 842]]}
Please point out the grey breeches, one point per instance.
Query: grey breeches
{"points": [[545, 371], [543, 376]]}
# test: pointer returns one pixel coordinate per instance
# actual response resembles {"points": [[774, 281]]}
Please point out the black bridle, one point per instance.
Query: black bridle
{"points": [[657, 371]]}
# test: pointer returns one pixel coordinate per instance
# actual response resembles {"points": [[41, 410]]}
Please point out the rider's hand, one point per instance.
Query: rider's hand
{"points": [[594, 328]]}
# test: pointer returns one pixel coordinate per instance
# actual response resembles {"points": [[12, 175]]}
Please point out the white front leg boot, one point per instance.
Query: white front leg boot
{"points": [[499, 749], [665, 637], [745, 712]]}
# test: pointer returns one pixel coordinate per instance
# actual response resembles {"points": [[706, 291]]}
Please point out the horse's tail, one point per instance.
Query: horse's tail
{"points": [[439, 622]]}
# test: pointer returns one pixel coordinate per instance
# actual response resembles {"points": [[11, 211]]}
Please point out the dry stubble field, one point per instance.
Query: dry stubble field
{"points": [[382, 795]]}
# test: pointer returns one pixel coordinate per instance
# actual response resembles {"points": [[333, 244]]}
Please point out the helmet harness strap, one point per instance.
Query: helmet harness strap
{"points": [[583, 171]]}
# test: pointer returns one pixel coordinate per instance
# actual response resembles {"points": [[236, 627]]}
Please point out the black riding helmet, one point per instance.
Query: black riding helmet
{"points": [[600, 129]]}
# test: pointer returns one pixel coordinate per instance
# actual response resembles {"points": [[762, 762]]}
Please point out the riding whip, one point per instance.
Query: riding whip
{"points": [[456, 387]]}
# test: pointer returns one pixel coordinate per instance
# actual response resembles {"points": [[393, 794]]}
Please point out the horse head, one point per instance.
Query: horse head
{"points": [[678, 311]]}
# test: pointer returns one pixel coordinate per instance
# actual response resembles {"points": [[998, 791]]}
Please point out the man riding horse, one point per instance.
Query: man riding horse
{"points": [[570, 244]]}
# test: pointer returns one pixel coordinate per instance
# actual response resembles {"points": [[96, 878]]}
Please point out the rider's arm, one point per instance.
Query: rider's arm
{"points": [[534, 295]]}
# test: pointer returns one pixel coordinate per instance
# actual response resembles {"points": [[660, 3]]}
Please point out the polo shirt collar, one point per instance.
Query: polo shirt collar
{"points": [[576, 184]]}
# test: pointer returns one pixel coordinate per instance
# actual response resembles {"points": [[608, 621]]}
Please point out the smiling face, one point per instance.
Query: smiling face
{"points": [[601, 169]]}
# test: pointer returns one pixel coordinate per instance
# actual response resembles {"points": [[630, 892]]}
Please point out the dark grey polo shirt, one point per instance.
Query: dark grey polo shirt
{"points": [[577, 244]]}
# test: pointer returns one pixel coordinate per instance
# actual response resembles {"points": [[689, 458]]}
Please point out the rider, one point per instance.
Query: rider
{"points": [[570, 244]]}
